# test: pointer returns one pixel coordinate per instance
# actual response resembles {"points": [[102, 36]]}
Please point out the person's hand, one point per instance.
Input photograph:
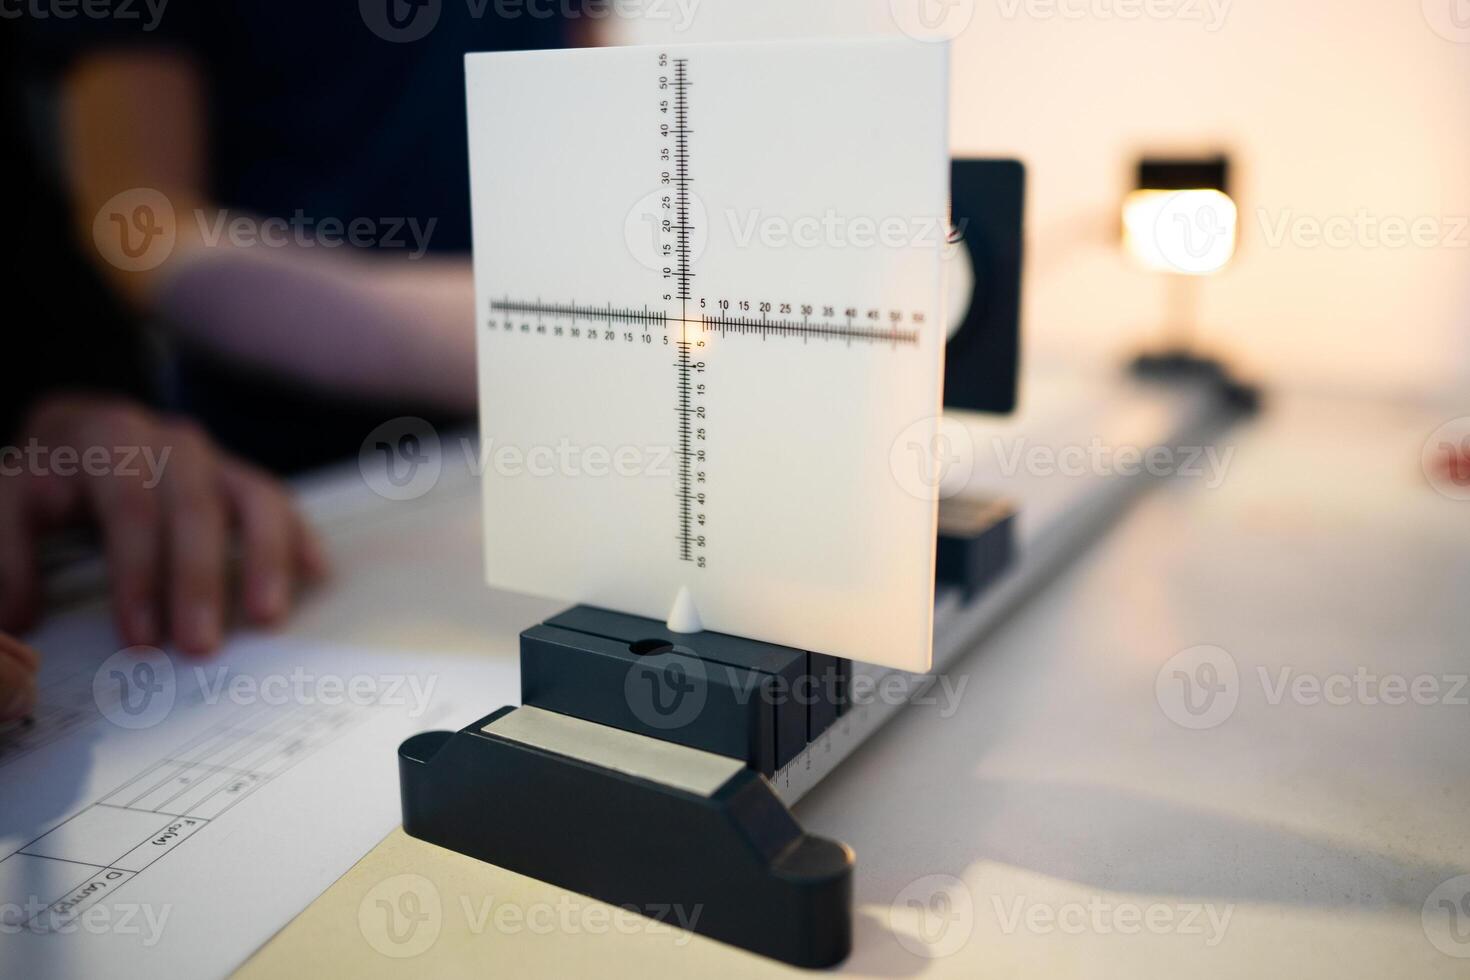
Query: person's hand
{"points": [[18, 664], [171, 508]]}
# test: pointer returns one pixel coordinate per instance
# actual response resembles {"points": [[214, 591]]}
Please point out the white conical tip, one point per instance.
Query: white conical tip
{"points": [[684, 616]]}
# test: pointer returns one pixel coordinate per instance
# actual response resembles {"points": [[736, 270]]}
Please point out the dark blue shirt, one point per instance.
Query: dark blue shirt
{"points": [[334, 109], [339, 109]]}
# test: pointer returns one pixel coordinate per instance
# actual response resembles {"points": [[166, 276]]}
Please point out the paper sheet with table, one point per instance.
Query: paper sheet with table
{"points": [[164, 817]]}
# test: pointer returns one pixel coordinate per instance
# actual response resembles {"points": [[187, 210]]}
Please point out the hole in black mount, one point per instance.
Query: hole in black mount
{"points": [[645, 647]]}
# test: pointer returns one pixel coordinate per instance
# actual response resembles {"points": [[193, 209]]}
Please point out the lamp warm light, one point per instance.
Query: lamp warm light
{"points": [[1190, 231]]}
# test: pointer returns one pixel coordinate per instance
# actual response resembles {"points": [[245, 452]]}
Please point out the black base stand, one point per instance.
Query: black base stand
{"points": [[1180, 364], [611, 811]]}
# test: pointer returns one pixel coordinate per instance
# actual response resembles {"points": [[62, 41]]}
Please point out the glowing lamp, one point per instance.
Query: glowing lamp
{"points": [[1180, 218]]}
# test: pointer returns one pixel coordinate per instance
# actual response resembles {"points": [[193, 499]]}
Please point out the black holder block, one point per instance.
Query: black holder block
{"points": [[976, 543], [737, 856], [670, 695], [830, 676], [759, 702]]}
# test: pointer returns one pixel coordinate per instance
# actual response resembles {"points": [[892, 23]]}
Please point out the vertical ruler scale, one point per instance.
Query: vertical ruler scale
{"points": [[686, 451], [682, 229], [681, 177], [794, 287]]}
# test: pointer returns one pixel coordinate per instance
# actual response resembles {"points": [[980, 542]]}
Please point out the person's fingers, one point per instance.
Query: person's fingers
{"points": [[17, 689], [19, 587], [266, 525], [128, 506], [195, 532], [311, 558], [11, 647]]}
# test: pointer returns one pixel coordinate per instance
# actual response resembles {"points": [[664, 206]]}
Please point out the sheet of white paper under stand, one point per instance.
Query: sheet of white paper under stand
{"points": [[709, 284]]}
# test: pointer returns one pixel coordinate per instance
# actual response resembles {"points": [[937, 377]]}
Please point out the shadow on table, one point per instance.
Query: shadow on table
{"points": [[1107, 839], [1122, 843], [1116, 841], [28, 884], [50, 794]]}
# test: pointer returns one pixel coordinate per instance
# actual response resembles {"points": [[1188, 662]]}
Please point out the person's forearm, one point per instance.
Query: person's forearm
{"points": [[133, 126], [381, 327]]}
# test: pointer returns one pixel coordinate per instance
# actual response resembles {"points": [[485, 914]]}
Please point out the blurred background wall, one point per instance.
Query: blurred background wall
{"points": [[1347, 121]]}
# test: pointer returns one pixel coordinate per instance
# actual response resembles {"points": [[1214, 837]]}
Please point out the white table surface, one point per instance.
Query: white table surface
{"points": [[1062, 784], [1076, 829]]}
